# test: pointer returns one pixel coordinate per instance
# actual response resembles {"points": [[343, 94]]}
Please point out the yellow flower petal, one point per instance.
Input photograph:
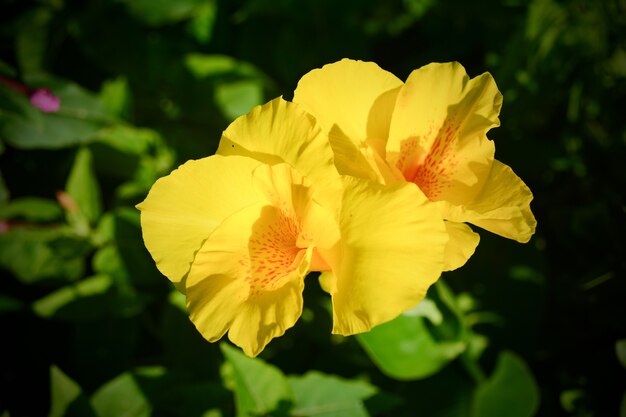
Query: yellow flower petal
{"points": [[364, 161], [437, 134], [391, 251], [461, 246], [502, 207], [280, 131], [356, 96], [182, 209], [249, 274]]}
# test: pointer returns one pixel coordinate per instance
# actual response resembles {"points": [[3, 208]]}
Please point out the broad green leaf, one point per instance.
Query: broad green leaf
{"points": [[121, 397], [66, 396], [510, 391], [321, 395], [49, 305], [259, 388], [128, 139], [90, 299], [24, 126], [37, 254], [421, 341], [32, 209], [238, 97], [82, 186], [159, 392]]}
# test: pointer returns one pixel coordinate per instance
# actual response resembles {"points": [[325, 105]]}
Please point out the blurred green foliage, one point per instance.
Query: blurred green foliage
{"points": [[90, 327]]}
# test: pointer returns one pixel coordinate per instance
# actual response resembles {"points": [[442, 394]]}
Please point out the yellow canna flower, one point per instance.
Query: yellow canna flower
{"points": [[238, 233], [430, 131]]}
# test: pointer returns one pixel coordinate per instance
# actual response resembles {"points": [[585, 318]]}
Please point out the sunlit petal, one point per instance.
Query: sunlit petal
{"points": [[502, 207], [181, 210], [356, 96], [438, 131], [461, 246], [391, 251], [248, 276], [280, 131]]}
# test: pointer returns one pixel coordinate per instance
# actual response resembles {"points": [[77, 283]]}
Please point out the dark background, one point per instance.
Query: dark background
{"points": [[559, 301]]}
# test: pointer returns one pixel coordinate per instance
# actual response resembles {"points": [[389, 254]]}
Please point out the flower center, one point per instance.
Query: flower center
{"points": [[276, 249]]}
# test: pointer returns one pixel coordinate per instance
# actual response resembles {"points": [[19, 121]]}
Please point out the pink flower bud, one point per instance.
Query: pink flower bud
{"points": [[44, 100]]}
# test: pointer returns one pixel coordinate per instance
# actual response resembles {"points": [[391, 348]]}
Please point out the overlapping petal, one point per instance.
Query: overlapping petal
{"points": [[502, 207], [461, 245], [355, 96], [438, 131], [181, 210], [280, 131], [436, 138], [391, 250], [248, 276]]}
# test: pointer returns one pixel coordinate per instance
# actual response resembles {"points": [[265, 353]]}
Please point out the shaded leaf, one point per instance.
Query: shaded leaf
{"points": [[32, 209], [421, 341], [25, 126], [90, 299], [321, 395], [32, 39], [82, 186], [37, 254], [121, 397], [259, 388], [160, 12], [510, 391], [115, 96], [66, 396]]}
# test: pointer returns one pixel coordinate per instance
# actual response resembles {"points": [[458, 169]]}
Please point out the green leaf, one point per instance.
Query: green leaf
{"points": [[421, 341], [82, 186], [239, 97], [49, 305], [202, 22], [115, 96], [37, 254], [259, 388], [510, 391], [90, 299], [26, 127], [220, 66], [31, 209], [66, 396], [121, 397], [321, 395], [128, 139]]}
